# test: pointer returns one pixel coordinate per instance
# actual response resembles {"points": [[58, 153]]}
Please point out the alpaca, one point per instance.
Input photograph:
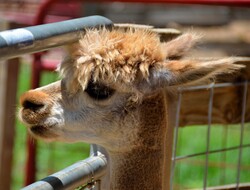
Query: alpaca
{"points": [[114, 92]]}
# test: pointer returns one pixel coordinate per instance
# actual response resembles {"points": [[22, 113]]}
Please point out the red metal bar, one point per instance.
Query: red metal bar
{"points": [[201, 2], [30, 168]]}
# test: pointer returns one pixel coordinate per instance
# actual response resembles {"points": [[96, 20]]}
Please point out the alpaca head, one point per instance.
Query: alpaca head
{"points": [[105, 76]]}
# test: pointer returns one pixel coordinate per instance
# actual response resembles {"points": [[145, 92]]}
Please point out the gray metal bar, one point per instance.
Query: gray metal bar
{"points": [[176, 131], [223, 156], [210, 110], [178, 158], [16, 42], [243, 113], [219, 85], [73, 176], [93, 150]]}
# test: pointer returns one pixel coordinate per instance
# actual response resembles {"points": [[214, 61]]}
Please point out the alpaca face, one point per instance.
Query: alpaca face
{"points": [[97, 115], [104, 79]]}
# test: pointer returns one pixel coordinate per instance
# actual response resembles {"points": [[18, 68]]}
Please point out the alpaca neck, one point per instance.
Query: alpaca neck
{"points": [[143, 166]]}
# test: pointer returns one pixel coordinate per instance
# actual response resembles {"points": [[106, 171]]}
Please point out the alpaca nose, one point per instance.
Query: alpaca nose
{"points": [[36, 106], [32, 105], [34, 100]]}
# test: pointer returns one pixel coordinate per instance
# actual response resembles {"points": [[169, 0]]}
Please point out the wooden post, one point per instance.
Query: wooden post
{"points": [[8, 85]]}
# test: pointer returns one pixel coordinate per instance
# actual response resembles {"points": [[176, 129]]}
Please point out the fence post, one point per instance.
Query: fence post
{"points": [[105, 180], [8, 85]]}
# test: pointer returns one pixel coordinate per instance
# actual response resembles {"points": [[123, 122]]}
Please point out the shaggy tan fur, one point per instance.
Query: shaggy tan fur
{"points": [[123, 57], [113, 56], [134, 62]]}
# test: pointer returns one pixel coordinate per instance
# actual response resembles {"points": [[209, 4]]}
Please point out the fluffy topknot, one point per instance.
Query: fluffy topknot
{"points": [[111, 56]]}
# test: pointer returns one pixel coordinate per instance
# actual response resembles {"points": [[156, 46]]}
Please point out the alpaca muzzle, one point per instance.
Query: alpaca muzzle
{"points": [[35, 107]]}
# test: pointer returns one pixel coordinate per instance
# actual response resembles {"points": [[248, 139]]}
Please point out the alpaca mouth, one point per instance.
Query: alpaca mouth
{"points": [[38, 129], [42, 131]]}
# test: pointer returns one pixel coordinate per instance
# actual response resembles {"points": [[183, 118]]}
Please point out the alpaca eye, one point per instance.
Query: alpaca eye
{"points": [[98, 91]]}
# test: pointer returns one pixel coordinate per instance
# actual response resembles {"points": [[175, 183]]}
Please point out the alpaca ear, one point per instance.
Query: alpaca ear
{"points": [[179, 46], [189, 72]]}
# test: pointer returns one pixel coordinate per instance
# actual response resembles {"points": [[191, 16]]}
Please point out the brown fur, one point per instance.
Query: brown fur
{"points": [[115, 56], [133, 62], [180, 46], [141, 167], [125, 57]]}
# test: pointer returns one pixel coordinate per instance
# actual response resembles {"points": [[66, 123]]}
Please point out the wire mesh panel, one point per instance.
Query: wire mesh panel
{"points": [[212, 152]]}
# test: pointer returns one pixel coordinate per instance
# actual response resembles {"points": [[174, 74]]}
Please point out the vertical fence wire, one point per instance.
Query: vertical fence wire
{"points": [[224, 153], [175, 138], [93, 150], [210, 110], [244, 100], [207, 152], [98, 185]]}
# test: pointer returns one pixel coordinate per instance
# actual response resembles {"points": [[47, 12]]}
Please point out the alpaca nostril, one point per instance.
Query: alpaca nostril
{"points": [[35, 101], [34, 106]]}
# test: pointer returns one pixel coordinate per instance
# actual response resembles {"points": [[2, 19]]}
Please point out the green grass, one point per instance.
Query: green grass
{"points": [[222, 165], [189, 172]]}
